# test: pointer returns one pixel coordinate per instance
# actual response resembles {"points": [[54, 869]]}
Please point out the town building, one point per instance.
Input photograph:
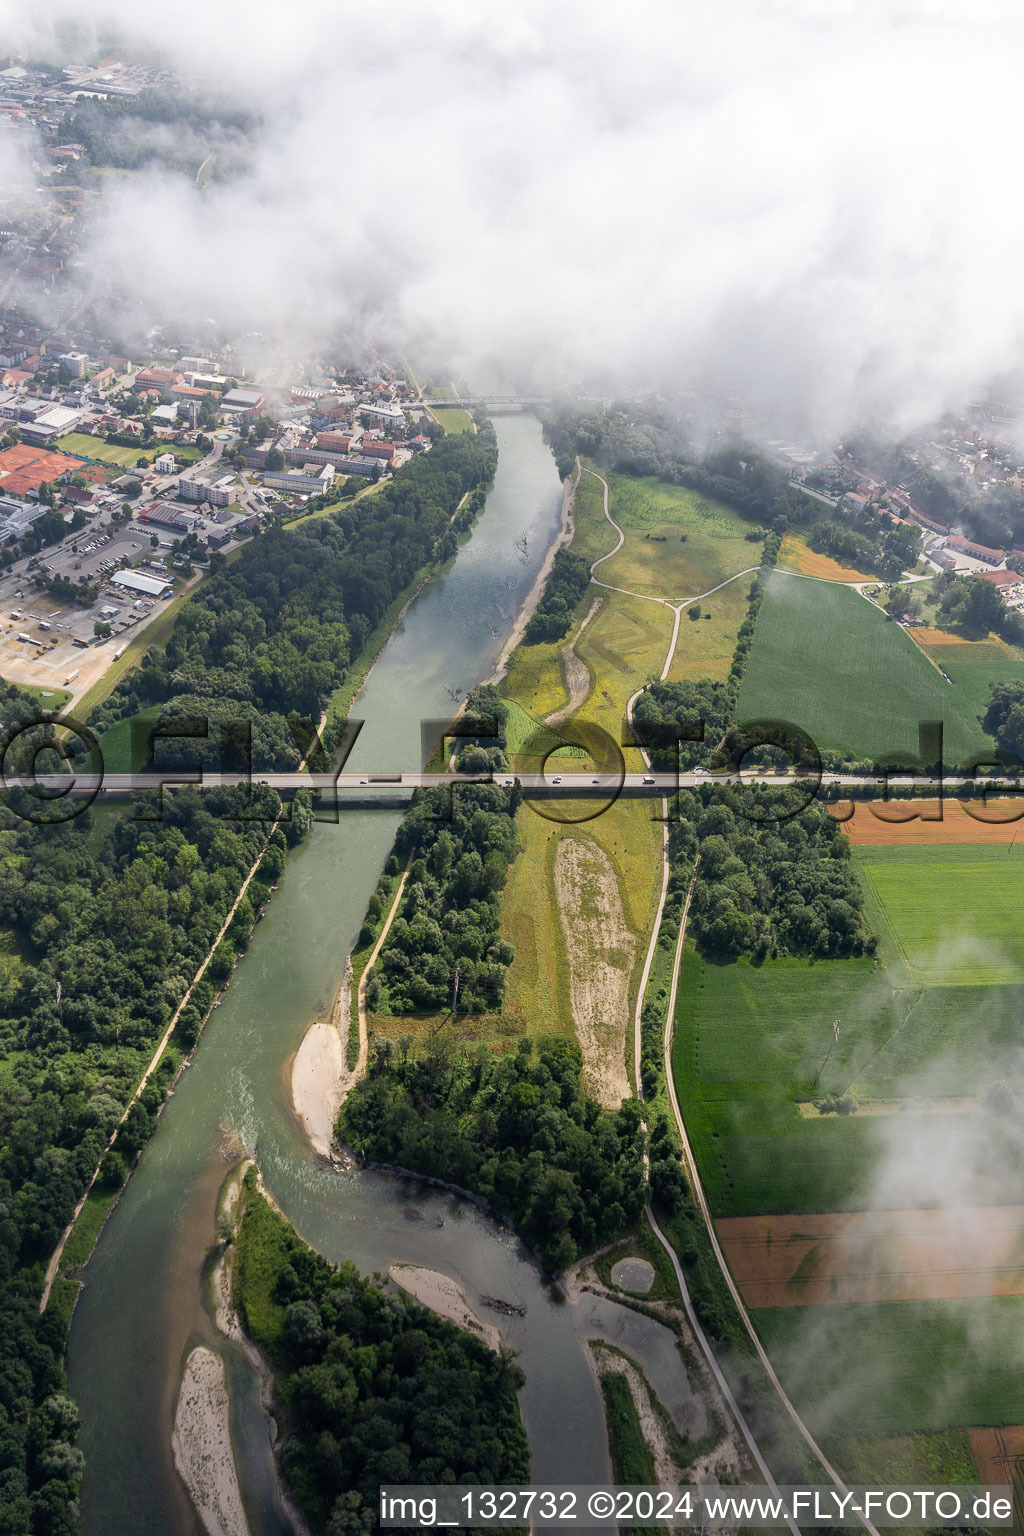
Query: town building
{"points": [[164, 463], [218, 492], [311, 480], [359, 465], [962, 546], [243, 402]]}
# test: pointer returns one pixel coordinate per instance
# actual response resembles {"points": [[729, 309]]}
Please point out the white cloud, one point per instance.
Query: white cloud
{"points": [[815, 201]]}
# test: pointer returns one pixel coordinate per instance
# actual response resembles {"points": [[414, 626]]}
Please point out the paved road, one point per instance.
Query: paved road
{"points": [[395, 787]]}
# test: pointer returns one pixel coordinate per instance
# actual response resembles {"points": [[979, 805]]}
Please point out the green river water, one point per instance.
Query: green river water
{"points": [[142, 1306]]}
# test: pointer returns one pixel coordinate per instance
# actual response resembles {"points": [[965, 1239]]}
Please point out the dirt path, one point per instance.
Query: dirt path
{"points": [[364, 1036], [666, 602]]}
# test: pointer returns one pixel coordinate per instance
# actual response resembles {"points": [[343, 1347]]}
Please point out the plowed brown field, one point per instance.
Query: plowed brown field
{"points": [[878, 822], [996, 1452], [862, 1256]]}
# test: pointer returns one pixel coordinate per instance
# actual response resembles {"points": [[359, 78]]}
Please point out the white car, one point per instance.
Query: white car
{"points": [[557, 779]]}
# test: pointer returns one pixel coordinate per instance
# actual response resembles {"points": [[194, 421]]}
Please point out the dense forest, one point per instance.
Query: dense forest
{"points": [[105, 919], [682, 723], [373, 1388], [271, 635], [462, 842], [518, 1131], [175, 129], [768, 887]]}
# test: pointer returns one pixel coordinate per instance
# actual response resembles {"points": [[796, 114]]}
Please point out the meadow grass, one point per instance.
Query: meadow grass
{"points": [[892, 1367], [537, 991], [453, 418], [50, 698], [705, 646], [922, 1460], [832, 663], [632, 1461]]}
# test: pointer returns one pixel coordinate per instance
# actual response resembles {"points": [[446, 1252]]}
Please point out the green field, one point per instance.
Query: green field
{"points": [[831, 662], [453, 418], [901, 1366], [941, 1024], [947, 1036], [49, 698], [957, 928], [87, 447], [975, 666]]}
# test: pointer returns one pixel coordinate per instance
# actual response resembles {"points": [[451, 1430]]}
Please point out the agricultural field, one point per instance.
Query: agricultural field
{"points": [[796, 555], [832, 663], [974, 665], [901, 1222], [839, 1258], [953, 913], [931, 823], [901, 1367]]}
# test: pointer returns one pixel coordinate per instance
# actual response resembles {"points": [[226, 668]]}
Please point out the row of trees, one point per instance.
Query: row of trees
{"points": [[376, 1388], [569, 579]]}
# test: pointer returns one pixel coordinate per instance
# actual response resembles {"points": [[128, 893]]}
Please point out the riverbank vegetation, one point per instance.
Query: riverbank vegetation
{"points": [[371, 1388], [111, 917], [519, 1131]]}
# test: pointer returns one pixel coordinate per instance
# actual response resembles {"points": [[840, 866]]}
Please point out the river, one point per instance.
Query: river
{"points": [[142, 1305]]}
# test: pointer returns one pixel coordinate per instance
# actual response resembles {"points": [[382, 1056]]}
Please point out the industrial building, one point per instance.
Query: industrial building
{"points": [[134, 581]]}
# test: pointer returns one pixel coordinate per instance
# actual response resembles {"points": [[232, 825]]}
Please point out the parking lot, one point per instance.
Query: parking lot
{"points": [[48, 641]]}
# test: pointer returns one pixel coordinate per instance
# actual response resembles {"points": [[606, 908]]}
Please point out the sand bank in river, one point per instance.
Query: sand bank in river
{"points": [[319, 1081], [202, 1446], [441, 1295]]}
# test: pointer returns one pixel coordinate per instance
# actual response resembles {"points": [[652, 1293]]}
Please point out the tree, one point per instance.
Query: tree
{"points": [[102, 630], [275, 459], [693, 612]]}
